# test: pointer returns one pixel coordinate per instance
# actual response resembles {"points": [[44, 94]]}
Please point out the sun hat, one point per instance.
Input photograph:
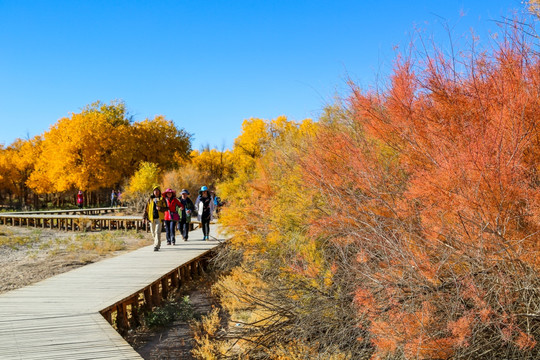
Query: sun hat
{"points": [[169, 190]]}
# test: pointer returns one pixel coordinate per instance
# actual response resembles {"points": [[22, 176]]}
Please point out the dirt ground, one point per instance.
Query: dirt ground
{"points": [[175, 340], [31, 255]]}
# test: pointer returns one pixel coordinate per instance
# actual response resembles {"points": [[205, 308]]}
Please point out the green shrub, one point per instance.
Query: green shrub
{"points": [[165, 315]]}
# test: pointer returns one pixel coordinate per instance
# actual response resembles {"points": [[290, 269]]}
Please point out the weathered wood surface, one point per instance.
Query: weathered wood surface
{"points": [[86, 211], [59, 318], [74, 222], [77, 222]]}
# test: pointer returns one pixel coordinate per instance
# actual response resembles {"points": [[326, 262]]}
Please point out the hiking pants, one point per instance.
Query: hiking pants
{"points": [[170, 227], [183, 226], [155, 229], [205, 222]]}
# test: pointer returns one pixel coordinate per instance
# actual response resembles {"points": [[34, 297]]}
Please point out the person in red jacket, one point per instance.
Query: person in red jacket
{"points": [[171, 215], [80, 199]]}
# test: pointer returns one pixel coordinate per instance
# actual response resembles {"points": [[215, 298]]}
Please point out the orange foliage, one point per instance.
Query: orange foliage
{"points": [[435, 181], [416, 209]]}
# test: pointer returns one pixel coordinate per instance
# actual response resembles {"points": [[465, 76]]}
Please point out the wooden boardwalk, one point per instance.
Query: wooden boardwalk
{"points": [[83, 211], [75, 222], [78, 220], [59, 318]]}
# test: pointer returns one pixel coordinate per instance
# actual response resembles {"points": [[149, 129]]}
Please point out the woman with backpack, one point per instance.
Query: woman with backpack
{"points": [[205, 210], [185, 218], [171, 215]]}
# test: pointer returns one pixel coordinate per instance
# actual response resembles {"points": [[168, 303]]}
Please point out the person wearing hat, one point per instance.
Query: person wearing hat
{"points": [[205, 210], [171, 215], [154, 213], [185, 218]]}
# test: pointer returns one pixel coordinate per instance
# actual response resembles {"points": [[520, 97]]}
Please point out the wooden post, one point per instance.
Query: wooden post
{"points": [[200, 270], [164, 288], [121, 319], [156, 299], [182, 276], [174, 279], [148, 298], [193, 266], [134, 320], [108, 316]]}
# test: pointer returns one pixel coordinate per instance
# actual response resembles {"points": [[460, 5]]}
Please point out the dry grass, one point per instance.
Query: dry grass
{"points": [[31, 255]]}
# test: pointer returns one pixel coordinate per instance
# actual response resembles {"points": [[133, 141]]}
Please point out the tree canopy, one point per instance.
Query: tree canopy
{"points": [[100, 147]]}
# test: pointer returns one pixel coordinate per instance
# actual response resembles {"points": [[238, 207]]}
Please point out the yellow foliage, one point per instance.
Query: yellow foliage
{"points": [[234, 290], [17, 163], [213, 163], [80, 152], [144, 179], [205, 333], [100, 148], [157, 140]]}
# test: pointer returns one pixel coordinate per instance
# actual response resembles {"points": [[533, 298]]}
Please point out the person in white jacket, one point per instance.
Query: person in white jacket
{"points": [[205, 210]]}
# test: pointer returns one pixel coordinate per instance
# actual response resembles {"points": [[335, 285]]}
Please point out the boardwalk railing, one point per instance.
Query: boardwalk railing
{"points": [[78, 222], [75, 222], [84, 211], [124, 314]]}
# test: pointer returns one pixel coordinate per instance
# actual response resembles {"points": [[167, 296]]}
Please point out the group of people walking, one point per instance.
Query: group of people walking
{"points": [[173, 212]]}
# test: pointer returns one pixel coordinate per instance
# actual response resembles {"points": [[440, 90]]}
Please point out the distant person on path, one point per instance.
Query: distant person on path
{"points": [[217, 204], [80, 199], [114, 198], [154, 213], [185, 219], [171, 215], [118, 198], [205, 209]]}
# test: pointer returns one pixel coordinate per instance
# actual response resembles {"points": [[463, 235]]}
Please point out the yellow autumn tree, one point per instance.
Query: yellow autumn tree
{"points": [[156, 140], [80, 152], [101, 147], [140, 185], [248, 147], [16, 165], [268, 212], [6, 185], [256, 136]]}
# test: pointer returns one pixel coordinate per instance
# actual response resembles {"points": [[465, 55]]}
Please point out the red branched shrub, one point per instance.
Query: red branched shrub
{"points": [[434, 192]]}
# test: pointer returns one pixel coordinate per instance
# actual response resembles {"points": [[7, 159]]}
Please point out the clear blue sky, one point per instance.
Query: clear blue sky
{"points": [[208, 65]]}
